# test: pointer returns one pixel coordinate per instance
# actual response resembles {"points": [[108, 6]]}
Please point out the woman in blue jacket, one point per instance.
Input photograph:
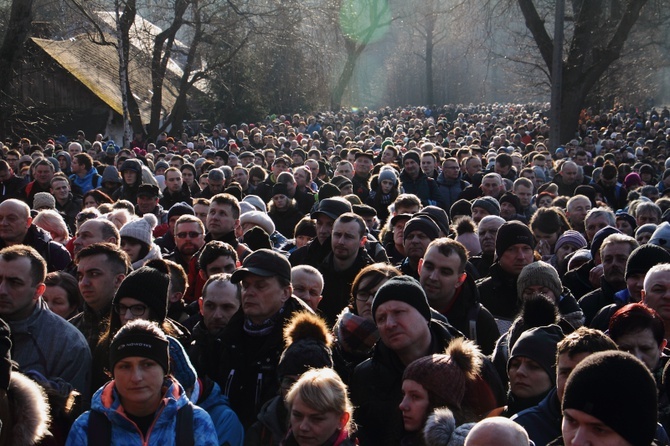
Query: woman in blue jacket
{"points": [[143, 404]]}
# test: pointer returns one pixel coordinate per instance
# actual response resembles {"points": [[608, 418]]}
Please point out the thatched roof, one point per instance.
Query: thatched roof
{"points": [[97, 67]]}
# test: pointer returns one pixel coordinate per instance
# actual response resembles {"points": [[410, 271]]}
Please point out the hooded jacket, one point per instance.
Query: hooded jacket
{"points": [[129, 191], [88, 182], [26, 420], [162, 431], [423, 187], [55, 254], [451, 189]]}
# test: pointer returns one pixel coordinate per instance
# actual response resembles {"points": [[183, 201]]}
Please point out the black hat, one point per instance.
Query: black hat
{"points": [[256, 238], [265, 263], [438, 215], [411, 155], [366, 154], [600, 237], [144, 345], [397, 217], [364, 210], [299, 152], [329, 190], [644, 257], [222, 154], [246, 154], [424, 224], [513, 233], [539, 344], [149, 285], [180, 209], [616, 388], [308, 340], [148, 190], [460, 207], [341, 182], [509, 197], [279, 189], [332, 207], [404, 289]]}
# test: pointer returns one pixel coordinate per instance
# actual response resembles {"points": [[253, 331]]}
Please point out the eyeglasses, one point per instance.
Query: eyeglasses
{"points": [[363, 296], [190, 234], [135, 310]]}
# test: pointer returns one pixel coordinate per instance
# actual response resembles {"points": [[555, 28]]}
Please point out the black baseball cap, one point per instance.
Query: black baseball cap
{"points": [[265, 263], [332, 207]]}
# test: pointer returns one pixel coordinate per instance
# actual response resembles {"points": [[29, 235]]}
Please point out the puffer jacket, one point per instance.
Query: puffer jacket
{"points": [[162, 432]]}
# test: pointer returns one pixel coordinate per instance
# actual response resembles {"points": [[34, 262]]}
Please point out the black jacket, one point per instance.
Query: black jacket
{"points": [[55, 254], [247, 365], [594, 301], [376, 389], [498, 293]]}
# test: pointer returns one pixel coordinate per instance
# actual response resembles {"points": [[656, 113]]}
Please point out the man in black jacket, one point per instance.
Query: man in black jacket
{"points": [[407, 332], [453, 293]]}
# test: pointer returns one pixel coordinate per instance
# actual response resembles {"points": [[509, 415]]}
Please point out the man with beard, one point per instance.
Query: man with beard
{"points": [[189, 234], [341, 266], [614, 254]]}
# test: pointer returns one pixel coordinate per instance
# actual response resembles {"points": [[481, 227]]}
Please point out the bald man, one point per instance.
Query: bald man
{"points": [[499, 431]]}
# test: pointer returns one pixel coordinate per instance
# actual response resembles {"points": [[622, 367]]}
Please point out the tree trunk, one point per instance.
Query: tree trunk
{"points": [[353, 53], [430, 46], [18, 31]]}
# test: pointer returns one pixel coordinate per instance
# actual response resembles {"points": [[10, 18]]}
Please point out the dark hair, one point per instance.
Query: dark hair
{"points": [[549, 220], [69, 284], [379, 272], [115, 257], [447, 247], [584, 340], [349, 217], [636, 317], [213, 250], [223, 199], [84, 159], [99, 196], [38, 267]]}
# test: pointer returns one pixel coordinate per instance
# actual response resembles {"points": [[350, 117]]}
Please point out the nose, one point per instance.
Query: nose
{"points": [[403, 404]]}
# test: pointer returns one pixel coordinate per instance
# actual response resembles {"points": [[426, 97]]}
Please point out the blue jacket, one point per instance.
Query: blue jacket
{"points": [[161, 433], [228, 426], [89, 182]]}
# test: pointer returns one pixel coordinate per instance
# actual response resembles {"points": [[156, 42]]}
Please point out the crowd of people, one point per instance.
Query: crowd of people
{"points": [[407, 276]]}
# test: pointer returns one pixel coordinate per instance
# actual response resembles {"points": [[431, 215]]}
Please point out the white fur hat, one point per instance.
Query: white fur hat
{"points": [[260, 219], [140, 229]]}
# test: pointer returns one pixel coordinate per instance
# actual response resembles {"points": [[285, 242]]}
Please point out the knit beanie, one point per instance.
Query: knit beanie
{"points": [[140, 229], [600, 237], [127, 344], [588, 191], [644, 257], [44, 200], [388, 173], [149, 285], [404, 289], [308, 340], [509, 197], [460, 207], [444, 376], [661, 236], [632, 179], [627, 217], [489, 204], [539, 274], [424, 224], [179, 209], [539, 344], [235, 190], [256, 202], [617, 389], [666, 172], [411, 155], [570, 237], [341, 182], [162, 164], [512, 233], [438, 215], [279, 189], [648, 228], [329, 190]]}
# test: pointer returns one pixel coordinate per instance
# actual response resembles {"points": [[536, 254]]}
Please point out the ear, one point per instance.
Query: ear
{"points": [[286, 293], [118, 279], [39, 290], [200, 303], [29, 222], [461, 279], [420, 266], [643, 295], [201, 273], [344, 419], [364, 240]]}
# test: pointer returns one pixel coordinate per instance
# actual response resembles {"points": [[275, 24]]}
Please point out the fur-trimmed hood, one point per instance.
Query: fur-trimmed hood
{"points": [[441, 429], [29, 411]]}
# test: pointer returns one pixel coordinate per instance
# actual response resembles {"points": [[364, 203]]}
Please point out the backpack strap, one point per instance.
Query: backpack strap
{"points": [[99, 430], [184, 432]]}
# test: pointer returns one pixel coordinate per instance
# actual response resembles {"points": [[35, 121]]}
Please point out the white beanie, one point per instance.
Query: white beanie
{"points": [[140, 229], [260, 219]]}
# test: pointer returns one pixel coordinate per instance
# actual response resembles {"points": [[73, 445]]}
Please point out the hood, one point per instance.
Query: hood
{"points": [[63, 153], [111, 174], [30, 410]]}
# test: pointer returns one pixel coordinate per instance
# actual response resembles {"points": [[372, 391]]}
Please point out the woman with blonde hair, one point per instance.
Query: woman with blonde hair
{"points": [[319, 410], [52, 222]]}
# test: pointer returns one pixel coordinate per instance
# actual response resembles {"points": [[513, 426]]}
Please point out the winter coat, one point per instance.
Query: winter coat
{"points": [[12, 188], [55, 254], [228, 427], [169, 199], [162, 432], [498, 293], [24, 412], [466, 310], [247, 371], [577, 280], [376, 389], [542, 422], [451, 189], [594, 301], [425, 188], [69, 210], [88, 182], [343, 439], [337, 284], [286, 220], [271, 426]]}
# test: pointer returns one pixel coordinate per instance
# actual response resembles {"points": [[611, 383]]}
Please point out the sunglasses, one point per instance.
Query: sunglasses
{"points": [[190, 234]]}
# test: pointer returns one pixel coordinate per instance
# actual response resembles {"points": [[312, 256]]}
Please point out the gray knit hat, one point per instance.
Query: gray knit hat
{"points": [[489, 204], [388, 173], [140, 229], [44, 200], [542, 274], [661, 236]]}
